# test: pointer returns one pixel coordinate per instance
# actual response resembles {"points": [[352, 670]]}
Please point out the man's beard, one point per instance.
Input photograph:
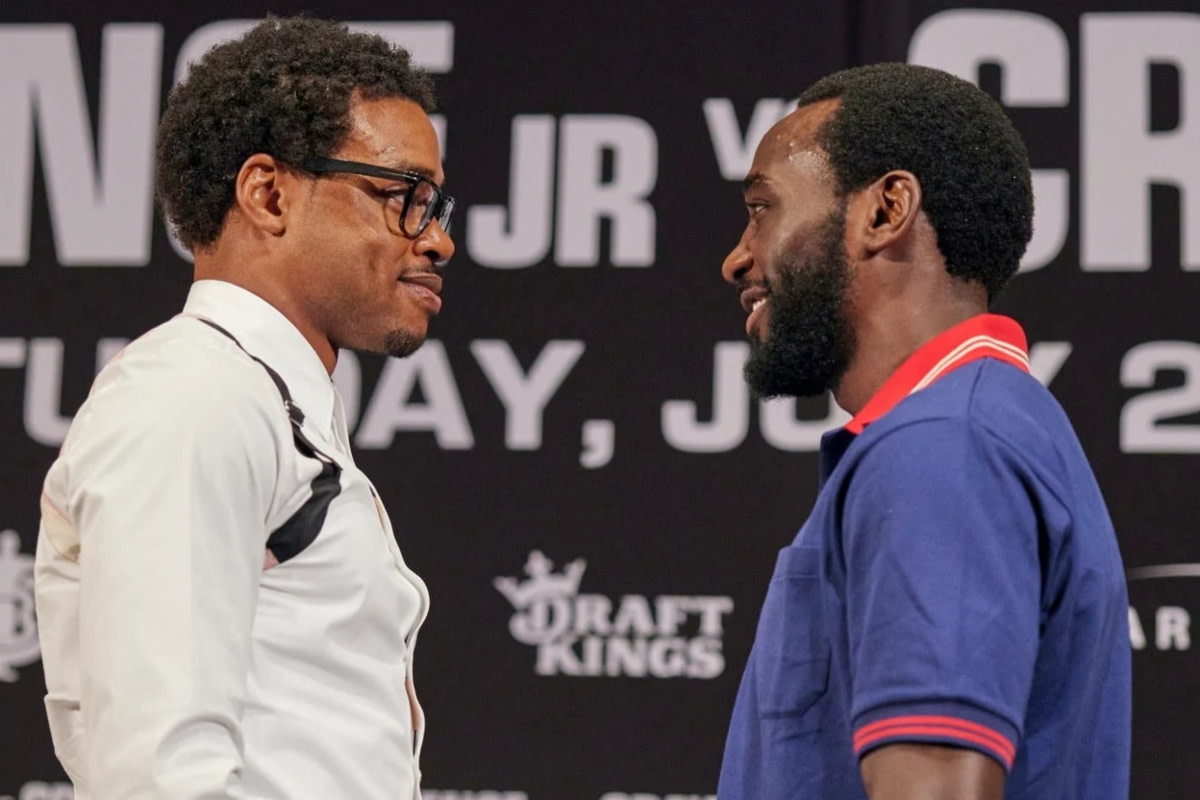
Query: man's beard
{"points": [[809, 340], [401, 343]]}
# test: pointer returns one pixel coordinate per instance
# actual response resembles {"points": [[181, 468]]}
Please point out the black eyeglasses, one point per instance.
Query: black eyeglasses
{"points": [[420, 203]]}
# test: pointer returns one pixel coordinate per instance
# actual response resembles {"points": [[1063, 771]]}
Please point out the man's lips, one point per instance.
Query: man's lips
{"points": [[754, 300], [429, 280], [752, 295], [427, 287]]}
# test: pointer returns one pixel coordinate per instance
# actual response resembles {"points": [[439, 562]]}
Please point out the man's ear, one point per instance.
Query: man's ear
{"points": [[886, 210], [264, 192]]}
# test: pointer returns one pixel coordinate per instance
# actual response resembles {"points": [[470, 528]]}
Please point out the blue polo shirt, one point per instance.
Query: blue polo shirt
{"points": [[958, 582]]}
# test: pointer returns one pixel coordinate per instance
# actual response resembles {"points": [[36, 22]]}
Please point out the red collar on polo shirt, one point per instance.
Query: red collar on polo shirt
{"points": [[984, 336]]}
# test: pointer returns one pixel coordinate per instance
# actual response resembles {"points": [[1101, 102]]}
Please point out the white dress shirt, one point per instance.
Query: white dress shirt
{"points": [[181, 664]]}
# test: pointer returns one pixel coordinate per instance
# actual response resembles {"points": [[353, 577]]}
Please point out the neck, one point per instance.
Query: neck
{"points": [[255, 276], [887, 336]]}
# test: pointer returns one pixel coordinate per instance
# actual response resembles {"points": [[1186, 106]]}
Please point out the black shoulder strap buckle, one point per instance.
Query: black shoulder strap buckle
{"points": [[295, 414]]}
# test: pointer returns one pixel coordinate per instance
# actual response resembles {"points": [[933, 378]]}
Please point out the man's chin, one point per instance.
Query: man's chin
{"points": [[402, 343], [769, 375], [761, 390]]}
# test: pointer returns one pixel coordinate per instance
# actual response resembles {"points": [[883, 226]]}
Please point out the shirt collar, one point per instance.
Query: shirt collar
{"points": [[983, 336], [266, 333]]}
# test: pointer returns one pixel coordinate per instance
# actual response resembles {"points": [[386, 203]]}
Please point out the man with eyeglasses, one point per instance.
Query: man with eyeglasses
{"points": [[224, 611]]}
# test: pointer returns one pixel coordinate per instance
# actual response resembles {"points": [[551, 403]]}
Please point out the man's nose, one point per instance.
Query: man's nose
{"points": [[434, 243], [738, 262]]}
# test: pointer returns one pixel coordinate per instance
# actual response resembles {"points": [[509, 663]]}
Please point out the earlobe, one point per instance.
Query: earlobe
{"points": [[260, 193]]}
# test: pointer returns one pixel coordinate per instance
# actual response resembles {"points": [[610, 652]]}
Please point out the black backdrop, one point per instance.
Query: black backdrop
{"points": [[596, 151]]}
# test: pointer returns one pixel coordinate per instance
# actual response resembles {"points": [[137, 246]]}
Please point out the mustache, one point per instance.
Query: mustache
{"points": [[432, 268], [744, 284]]}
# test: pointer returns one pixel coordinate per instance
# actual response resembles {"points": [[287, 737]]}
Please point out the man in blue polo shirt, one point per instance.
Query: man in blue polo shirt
{"points": [[951, 621]]}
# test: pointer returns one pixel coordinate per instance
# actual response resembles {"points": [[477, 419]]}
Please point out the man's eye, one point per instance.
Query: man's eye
{"points": [[753, 207]]}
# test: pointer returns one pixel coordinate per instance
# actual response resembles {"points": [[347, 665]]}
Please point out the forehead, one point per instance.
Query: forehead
{"points": [[393, 132], [789, 153]]}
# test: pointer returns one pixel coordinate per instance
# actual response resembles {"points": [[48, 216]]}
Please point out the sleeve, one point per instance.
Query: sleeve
{"points": [[940, 537], [170, 483]]}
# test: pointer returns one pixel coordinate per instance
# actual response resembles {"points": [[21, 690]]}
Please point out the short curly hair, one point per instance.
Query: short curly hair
{"points": [[970, 160], [284, 88]]}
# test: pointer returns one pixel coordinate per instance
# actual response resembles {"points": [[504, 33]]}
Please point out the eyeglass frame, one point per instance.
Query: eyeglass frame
{"points": [[441, 209]]}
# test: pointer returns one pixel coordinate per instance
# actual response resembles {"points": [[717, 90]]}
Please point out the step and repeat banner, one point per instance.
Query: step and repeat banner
{"points": [[573, 462]]}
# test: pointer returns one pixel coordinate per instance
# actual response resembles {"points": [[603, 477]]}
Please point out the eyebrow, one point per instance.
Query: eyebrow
{"points": [[408, 166], [385, 159], [753, 179]]}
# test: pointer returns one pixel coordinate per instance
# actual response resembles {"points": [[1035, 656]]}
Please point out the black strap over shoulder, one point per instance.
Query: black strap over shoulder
{"points": [[301, 529]]}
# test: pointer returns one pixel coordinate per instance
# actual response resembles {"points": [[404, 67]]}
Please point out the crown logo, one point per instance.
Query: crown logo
{"points": [[18, 627], [543, 583]]}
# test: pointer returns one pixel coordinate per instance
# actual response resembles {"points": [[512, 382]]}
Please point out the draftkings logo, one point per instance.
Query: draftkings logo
{"points": [[40, 790], [18, 627], [593, 635]]}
